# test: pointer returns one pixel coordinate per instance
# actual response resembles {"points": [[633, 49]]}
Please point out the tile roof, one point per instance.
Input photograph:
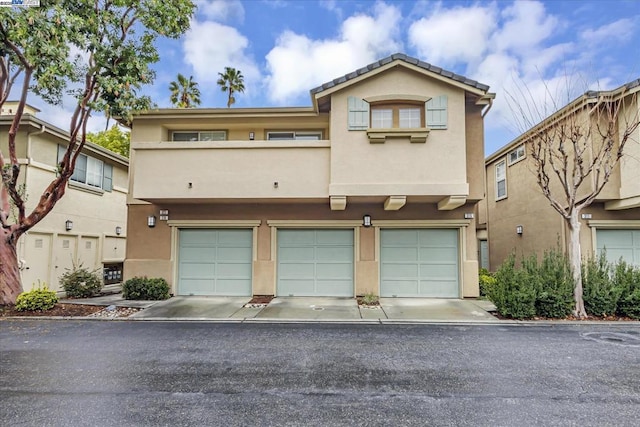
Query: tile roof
{"points": [[407, 59]]}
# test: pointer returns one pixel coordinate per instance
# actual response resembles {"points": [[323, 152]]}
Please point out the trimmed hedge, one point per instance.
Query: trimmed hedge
{"points": [[38, 299], [143, 288]]}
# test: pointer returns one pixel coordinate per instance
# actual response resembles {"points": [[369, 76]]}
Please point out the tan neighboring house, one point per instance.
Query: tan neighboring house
{"points": [[519, 218], [88, 225], [372, 189]]}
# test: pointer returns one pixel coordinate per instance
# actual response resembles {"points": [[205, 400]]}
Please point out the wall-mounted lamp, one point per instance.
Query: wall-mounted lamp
{"points": [[164, 214], [252, 136], [468, 215], [68, 225], [151, 221], [519, 230], [275, 184], [366, 221], [586, 216], [118, 230]]}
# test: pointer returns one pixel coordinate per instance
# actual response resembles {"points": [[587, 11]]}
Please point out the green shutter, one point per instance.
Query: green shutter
{"points": [[436, 110], [358, 113], [107, 177]]}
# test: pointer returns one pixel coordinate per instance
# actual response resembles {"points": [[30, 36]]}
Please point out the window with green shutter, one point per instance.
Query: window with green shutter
{"points": [[358, 114], [437, 112]]}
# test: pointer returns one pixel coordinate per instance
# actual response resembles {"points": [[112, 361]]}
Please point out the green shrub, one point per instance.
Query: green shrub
{"points": [[143, 288], [486, 282], [555, 285], [513, 293], [627, 278], [40, 298], [600, 292], [370, 299], [79, 282]]}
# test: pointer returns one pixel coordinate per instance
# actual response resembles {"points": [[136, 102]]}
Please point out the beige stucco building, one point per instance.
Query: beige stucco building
{"points": [[372, 189], [519, 218], [88, 225]]}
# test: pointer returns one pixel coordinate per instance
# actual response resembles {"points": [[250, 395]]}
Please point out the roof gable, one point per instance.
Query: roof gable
{"points": [[398, 59]]}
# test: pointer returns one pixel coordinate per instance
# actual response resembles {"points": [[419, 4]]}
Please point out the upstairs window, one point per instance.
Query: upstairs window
{"points": [[402, 116], [407, 112], [501, 180], [90, 171], [218, 135], [292, 136], [516, 155]]}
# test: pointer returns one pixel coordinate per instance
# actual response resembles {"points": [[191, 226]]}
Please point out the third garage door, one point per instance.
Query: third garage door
{"points": [[419, 263], [315, 262]]}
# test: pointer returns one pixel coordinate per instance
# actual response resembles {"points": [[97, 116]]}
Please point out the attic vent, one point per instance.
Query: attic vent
{"points": [[65, 244], [38, 244], [87, 245]]}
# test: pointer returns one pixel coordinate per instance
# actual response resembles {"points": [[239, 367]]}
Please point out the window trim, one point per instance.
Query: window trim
{"points": [[295, 135], [199, 132], [395, 106], [518, 158], [502, 162]]}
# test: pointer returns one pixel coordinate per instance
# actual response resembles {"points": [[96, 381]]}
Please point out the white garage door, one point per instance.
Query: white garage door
{"points": [[618, 244], [419, 263], [315, 263], [215, 262]]}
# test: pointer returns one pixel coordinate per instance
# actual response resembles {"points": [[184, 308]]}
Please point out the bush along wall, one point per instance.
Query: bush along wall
{"points": [[545, 288], [143, 288]]}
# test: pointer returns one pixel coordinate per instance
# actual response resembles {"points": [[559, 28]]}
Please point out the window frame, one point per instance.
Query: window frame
{"points": [[520, 153], [199, 133], [499, 179], [295, 135], [395, 107]]}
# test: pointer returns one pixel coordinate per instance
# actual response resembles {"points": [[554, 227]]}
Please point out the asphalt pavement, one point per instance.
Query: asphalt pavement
{"points": [[86, 373]]}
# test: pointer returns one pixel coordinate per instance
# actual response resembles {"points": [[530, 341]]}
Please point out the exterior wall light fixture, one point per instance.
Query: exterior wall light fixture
{"points": [[68, 225], [151, 221], [366, 221], [519, 230], [118, 230], [252, 136]]}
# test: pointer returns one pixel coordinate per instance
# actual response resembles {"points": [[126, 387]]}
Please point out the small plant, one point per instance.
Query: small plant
{"points": [[370, 299], [143, 288], [79, 282], [486, 282], [37, 299]]}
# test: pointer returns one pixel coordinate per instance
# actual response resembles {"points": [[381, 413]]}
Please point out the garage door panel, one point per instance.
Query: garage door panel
{"points": [[619, 244], [196, 237], [197, 286], [297, 270], [400, 237], [402, 288], [334, 237], [436, 255], [306, 237], [438, 271], [391, 254], [232, 287], [438, 238], [339, 288], [234, 254], [334, 271], [191, 270], [297, 287], [332, 254], [400, 270], [441, 289], [233, 238], [295, 253], [198, 254]]}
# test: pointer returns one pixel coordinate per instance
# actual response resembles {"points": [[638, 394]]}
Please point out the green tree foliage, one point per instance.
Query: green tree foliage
{"points": [[231, 81], [184, 92], [113, 139], [98, 51]]}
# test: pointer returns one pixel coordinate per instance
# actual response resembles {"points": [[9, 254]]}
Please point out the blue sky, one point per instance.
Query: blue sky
{"points": [[554, 49]]}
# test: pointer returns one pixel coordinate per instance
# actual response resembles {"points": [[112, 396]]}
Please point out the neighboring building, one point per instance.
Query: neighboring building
{"points": [[88, 225], [277, 201], [515, 203]]}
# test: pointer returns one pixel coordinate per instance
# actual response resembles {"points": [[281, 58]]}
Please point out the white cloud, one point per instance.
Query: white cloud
{"points": [[297, 63], [454, 35], [221, 10], [209, 47], [619, 30], [526, 25]]}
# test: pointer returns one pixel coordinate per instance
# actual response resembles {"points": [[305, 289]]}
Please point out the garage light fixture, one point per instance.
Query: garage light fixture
{"points": [[519, 230], [118, 230], [151, 221], [68, 225], [366, 221]]}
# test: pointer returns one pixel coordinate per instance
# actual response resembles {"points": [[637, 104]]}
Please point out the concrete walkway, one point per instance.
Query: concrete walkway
{"points": [[304, 309]]}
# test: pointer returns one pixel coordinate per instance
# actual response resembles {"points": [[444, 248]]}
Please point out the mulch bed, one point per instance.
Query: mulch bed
{"points": [[261, 299], [62, 310]]}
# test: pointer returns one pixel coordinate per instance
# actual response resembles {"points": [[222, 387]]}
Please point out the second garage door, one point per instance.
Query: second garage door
{"points": [[618, 244], [315, 263], [419, 263], [215, 262]]}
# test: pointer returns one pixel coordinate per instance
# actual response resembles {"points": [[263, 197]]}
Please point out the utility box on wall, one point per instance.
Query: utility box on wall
{"points": [[112, 273]]}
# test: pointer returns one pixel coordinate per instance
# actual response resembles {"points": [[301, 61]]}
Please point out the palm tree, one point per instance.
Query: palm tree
{"points": [[184, 92], [231, 81]]}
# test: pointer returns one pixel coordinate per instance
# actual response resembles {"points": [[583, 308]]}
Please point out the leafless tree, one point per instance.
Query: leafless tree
{"points": [[573, 153]]}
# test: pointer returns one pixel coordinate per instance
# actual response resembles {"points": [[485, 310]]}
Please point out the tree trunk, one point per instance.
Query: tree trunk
{"points": [[575, 257], [10, 284]]}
